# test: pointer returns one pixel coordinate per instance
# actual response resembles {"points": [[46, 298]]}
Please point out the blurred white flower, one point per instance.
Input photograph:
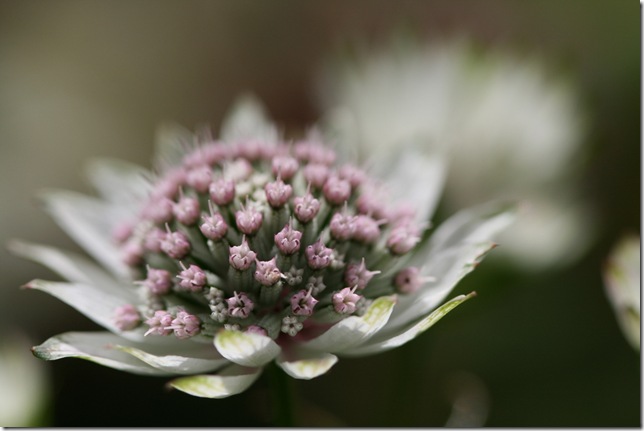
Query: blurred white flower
{"points": [[250, 249], [556, 229], [470, 401], [622, 281], [24, 385], [506, 128]]}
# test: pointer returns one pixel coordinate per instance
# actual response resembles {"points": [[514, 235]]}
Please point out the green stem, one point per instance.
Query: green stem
{"points": [[282, 398]]}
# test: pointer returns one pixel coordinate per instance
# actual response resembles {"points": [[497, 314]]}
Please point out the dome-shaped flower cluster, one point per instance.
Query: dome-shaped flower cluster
{"points": [[264, 237], [248, 249]]}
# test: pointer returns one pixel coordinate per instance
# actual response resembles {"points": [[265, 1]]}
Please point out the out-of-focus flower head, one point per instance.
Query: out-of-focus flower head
{"points": [[24, 386], [623, 286], [506, 126], [247, 249]]}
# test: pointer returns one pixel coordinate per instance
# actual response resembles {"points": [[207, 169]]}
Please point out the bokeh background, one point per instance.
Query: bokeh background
{"points": [[81, 79]]}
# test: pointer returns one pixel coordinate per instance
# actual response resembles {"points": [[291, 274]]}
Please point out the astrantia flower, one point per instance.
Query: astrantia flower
{"points": [[250, 249], [623, 286], [507, 127]]}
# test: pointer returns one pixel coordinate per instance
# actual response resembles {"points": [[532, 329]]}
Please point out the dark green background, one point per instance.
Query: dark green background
{"points": [[80, 79]]}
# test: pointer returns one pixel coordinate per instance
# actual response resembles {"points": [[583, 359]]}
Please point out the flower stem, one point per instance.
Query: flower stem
{"points": [[282, 397]]}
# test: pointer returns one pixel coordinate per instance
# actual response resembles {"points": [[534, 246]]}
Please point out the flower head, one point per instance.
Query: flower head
{"points": [[261, 249]]}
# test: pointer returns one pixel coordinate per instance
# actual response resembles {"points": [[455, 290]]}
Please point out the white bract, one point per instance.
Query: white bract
{"points": [[623, 286], [249, 249], [505, 127]]}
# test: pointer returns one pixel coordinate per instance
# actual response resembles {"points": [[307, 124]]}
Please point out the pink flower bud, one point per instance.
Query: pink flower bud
{"points": [[192, 278], [288, 240], [159, 323], [240, 305], [342, 226], [187, 210], [200, 178], [357, 275], [126, 317], [158, 281], [278, 193], [267, 273], [222, 192], [153, 239], [316, 174], [185, 325], [169, 185], [175, 244], [214, 152], [213, 227], [306, 207], [408, 280], [132, 252], [302, 303], [345, 301], [336, 190], [122, 232], [241, 256], [367, 230], [159, 210], [248, 220], [318, 256], [402, 239], [314, 152], [352, 174], [250, 150], [207, 154], [372, 201], [285, 167]]}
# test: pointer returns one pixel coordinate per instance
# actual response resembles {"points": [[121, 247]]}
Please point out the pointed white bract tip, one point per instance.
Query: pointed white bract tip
{"points": [[309, 366], [249, 349], [230, 382]]}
